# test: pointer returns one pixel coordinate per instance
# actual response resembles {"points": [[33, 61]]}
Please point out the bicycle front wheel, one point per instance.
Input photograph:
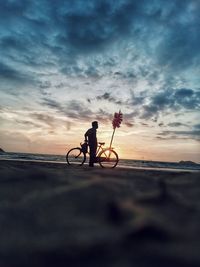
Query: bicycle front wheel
{"points": [[108, 158], [75, 157]]}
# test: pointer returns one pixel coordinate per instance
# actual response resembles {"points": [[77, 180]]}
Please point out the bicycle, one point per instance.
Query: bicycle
{"points": [[106, 157]]}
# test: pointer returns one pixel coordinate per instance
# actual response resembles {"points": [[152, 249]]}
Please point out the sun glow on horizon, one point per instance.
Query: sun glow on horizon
{"points": [[129, 143]]}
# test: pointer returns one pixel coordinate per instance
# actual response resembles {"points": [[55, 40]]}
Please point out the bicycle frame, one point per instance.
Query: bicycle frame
{"points": [[100, 149]]}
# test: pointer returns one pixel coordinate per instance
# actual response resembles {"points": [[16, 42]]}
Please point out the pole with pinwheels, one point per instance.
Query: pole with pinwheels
{"points": [[117, 119]]}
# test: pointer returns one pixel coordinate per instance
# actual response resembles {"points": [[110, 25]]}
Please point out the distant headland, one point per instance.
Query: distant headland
{"points": [[2, 151], [187, 162]]}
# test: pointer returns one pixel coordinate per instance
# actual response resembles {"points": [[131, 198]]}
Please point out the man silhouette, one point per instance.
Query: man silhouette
{"points": [[91, 139]]}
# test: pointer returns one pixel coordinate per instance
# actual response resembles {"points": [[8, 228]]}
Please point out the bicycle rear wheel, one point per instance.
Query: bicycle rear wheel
{"points": [[108, 158], [75, 157]]}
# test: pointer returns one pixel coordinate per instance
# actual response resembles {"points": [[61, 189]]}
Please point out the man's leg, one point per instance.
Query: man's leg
{"points": [[92, 156]]}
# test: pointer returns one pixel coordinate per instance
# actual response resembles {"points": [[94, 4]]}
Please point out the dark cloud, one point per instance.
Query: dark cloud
{"points": [[128, 124], [191, 134], [13, 43], [149, 125], [137, 100], [14, 80], [68, 29], [107, 96], [187, 98], [179, 45], [172, 100], [45, 118], [71, 109], [9, 73], [78, 110], [197, 126], [91, 25], [184, 92], [94, 25], [172, 137], [176, 124], [45, 85], [103, 116], [51, 104], [12, 9], [150, 111], [28, 123], [50, 120], [131, 116]]}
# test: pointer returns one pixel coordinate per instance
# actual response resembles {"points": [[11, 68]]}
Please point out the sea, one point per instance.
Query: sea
{"points": [[124, 163]]}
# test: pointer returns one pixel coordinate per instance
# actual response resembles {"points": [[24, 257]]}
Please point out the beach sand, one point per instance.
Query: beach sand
{"points": [[55, 215]]}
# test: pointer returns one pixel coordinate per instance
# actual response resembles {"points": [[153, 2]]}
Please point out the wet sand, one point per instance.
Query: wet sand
{"points": [[55, 215]]}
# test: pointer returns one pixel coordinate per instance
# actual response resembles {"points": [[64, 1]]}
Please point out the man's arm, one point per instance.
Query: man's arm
{"points": [[86, 137]]}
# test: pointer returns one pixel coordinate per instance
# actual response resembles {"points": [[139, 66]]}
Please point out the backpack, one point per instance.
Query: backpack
{"points": [[84, 148]]}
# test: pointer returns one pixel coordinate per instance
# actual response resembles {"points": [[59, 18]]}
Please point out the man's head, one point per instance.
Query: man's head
{"points": [[95, 124]]}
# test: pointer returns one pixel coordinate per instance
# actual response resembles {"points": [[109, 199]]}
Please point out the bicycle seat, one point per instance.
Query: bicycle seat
{"points": [[101, 144]]}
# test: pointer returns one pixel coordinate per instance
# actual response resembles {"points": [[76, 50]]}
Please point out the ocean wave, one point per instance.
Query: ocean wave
{"points": [[183, 165]]}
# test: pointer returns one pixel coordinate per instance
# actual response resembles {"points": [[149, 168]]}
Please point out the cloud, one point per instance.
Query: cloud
{"points": [[11, 9], [197, 126], [13, 43], [187, 98], [137, 100], [191, 134], [176, 124], [144, 124], [179, 46], [107, 96], [127, 41], [50, 120], [94, 26], [73, 109], [14, 79], [45, 118], [9, 73], [91, 25], [79, 110], [129, 124], [52, 104], [46, 85], [62, 33], [28, 123], [172, 100], [184, 92]]}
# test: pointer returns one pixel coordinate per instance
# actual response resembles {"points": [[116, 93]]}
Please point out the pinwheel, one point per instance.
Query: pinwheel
{"points": [[118, 117]]}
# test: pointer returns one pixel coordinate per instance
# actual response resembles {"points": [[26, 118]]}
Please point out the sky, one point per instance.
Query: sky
{"points": [[64, 64]]}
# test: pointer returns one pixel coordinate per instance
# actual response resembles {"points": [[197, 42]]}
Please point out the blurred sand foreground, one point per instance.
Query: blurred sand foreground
{"points": [[54, 215]]}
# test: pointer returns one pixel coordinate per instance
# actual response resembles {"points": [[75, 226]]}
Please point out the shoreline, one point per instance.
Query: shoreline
{"points": [[119, 166]]}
